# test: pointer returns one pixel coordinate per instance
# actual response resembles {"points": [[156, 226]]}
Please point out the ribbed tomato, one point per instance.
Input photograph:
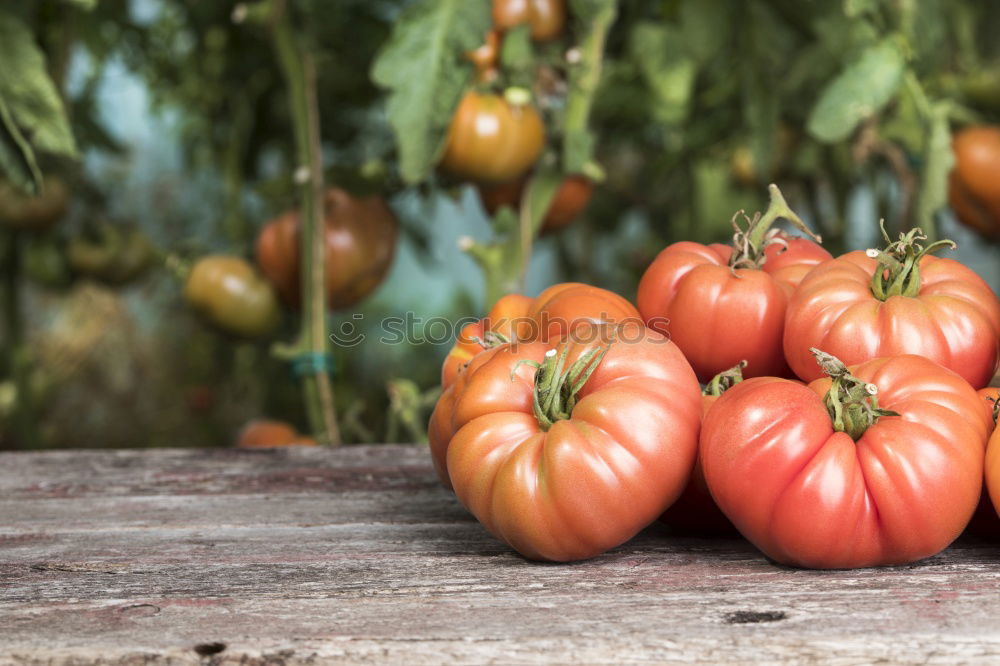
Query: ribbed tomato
{"points": [[549, 316], [492, 140], [571, 459], [360, 237], [558, 309], [993, 452], [880, 465], [902, 301], [722, 304]]}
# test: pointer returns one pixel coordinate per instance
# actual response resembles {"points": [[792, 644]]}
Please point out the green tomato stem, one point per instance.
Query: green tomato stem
{"points": [[851, 402], [300, 76], [898, 269], [725, 380], [557, 388], [749, 244]]}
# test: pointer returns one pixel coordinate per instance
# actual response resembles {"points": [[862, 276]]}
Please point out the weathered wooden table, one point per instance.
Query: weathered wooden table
{"points": [[357, 555]]}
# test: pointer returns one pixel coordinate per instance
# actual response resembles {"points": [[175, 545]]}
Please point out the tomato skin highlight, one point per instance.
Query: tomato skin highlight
{"points": [[810, 496], [491, 140], [955, 319], [591, 481], [719, 317]]}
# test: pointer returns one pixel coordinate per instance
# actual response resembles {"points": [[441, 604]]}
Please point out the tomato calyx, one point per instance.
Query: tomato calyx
{"points": [[725, 380], [556, 387], [749, 244], [898, 271], [852, 402]]}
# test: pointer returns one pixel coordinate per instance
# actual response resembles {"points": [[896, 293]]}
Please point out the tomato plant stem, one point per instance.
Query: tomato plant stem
{"points": [[16, 360], [300, 76]]}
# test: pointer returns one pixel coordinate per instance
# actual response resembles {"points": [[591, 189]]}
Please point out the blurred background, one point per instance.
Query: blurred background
{"points": [[138, 137]]}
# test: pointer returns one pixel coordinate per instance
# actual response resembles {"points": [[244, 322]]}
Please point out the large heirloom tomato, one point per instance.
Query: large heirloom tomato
{"points": [[569, 201], [497, 326], [695, 510], [232, 295], [571, 459], [882, 464], [493, 140], [974, 183], [901, 301], [360, 237], [722, 304], [546, 17]]}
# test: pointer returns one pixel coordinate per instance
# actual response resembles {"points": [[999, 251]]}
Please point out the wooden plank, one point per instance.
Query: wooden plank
{"points": [[358, 555]]}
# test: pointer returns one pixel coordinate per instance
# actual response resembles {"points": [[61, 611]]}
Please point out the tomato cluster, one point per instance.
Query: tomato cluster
{"points": [[495, 140], [570, 421]]}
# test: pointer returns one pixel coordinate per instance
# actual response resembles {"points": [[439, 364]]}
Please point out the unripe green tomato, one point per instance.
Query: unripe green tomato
{"points": [[230, 294]]}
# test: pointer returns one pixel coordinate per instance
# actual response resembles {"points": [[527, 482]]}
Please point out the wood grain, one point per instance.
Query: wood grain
{"points": [[357, 555]]}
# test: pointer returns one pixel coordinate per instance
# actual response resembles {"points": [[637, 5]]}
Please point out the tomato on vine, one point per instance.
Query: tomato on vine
{"points": [[493, 138], [360, 243], [877, 464], [724, 304], [899, 300], [229, 293], [567, 449], [110, 254], [547, 18], [570, 199], [974, 183], [33, 213]]}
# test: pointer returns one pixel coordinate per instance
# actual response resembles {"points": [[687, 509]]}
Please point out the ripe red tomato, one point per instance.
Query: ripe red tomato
{"points": [[232, 295], [560, 308], [719, 314], [502, 320], [561, 474], [974, 183], [695, 510], [941, 310], [491, 140], [360, 236], [569, 201], [872, 490], [265, 433], [546, 17]]}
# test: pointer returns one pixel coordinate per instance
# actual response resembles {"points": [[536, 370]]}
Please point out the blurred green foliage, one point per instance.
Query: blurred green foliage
{"points": [[700, 104]]}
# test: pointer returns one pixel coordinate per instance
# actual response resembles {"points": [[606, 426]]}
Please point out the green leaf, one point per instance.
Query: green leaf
{"points": [[85, 5], [423, 68], [17, 160], [707, 28], [667, 71], [859, 91], [855, 8], [938, 161], [32, 100]]}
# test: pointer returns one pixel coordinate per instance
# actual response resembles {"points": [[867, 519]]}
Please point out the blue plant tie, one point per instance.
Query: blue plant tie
{"points": [[313, 363]]}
